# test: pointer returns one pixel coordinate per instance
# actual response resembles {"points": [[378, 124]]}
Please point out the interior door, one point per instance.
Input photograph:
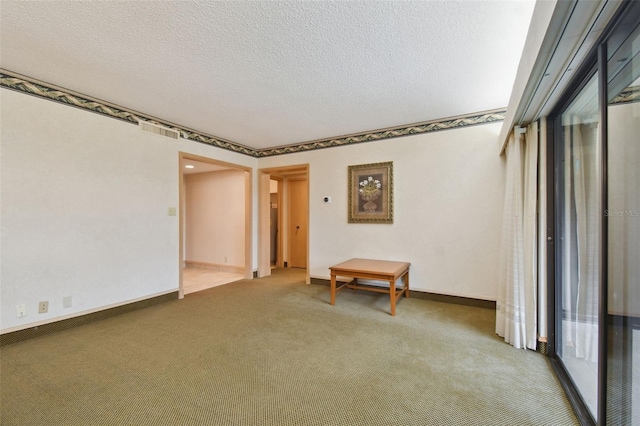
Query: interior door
{"points": [[273, 227], [298, 223]]}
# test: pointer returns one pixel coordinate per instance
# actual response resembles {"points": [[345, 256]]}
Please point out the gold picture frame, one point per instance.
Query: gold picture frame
{"points": [[371, 193]]}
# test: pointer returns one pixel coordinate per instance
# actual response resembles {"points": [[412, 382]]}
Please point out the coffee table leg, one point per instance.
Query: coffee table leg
{"points": [[406, 293], [392, 296], [333, 289]]}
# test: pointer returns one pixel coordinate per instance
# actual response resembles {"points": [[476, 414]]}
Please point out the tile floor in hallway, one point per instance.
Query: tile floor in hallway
{"points": [[197, 279]]}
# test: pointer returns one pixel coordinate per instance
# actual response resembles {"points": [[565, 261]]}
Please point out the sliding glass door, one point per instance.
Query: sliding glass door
{"points": [[623, 224], [578, 240], [595, 243]]}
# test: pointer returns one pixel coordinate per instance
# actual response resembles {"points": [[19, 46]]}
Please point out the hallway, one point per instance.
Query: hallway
{"points": [[198, 279]]}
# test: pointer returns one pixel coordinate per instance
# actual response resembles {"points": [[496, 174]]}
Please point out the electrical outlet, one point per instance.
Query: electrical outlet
{"points": [[171, 211], [43, 307], [21, 311]]}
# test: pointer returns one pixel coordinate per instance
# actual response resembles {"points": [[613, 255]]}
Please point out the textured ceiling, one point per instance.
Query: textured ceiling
{"points": [[271, 73]]}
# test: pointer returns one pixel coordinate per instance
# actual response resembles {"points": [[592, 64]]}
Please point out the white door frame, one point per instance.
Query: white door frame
{"points": [[283, 174], [182, 158]]}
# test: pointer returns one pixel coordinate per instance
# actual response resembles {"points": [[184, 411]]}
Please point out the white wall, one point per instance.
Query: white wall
{"points": [[215, 217], [84, 203], [83, 211], [448, 200]]}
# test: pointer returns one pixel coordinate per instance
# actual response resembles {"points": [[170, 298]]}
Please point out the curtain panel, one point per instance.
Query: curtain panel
{"points": [[516, 304]]}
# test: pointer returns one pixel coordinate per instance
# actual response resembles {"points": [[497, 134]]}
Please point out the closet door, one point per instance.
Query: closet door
{"points": [[298, 223]]}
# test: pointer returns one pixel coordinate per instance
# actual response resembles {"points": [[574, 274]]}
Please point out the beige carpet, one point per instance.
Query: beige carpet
{"points": [[273, 351]]}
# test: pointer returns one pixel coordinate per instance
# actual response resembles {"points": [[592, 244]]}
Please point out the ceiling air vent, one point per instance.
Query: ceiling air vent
{"points": [[159, 130]]}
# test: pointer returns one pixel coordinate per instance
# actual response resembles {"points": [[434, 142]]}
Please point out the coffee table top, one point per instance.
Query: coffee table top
{"points": [[383, 267]]}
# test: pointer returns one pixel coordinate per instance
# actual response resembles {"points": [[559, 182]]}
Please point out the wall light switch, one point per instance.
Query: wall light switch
{"points": [[172, 211], [66, 302]]}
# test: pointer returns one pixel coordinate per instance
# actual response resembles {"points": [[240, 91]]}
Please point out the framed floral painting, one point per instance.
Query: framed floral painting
{"points": [[371, 193]]}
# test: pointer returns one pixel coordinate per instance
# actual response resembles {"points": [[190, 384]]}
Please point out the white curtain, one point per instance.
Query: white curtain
{"points": [[516, 305], [586, 198], [581, 235], [542, 228]]}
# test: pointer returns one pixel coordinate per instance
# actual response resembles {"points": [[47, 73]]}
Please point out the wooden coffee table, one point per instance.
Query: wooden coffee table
{"points": [[382, 270]]}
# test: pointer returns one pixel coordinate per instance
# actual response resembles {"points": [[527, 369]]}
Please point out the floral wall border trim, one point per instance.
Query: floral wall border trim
{"points": [[20, 83], [630, 94], [389, 133]]}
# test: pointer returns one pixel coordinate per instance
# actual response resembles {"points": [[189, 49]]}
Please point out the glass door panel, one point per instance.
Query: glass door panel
{"points": [[623, 223], [578, 242]]}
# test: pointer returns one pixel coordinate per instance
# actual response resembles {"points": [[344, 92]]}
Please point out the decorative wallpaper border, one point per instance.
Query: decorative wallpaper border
{"points": [[23, 84], [630, 94], [20, 83], [396, 132]]}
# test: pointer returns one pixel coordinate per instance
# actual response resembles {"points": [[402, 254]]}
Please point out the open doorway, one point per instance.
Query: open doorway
{"points": [[289, 187], [275, 245], [215, 223]]}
